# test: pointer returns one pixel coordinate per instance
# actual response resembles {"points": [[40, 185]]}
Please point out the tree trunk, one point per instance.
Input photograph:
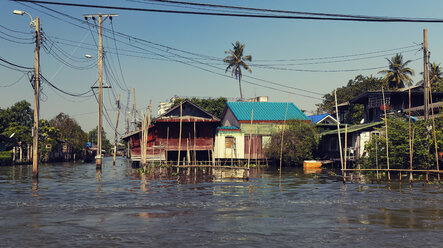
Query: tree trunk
{"points": [[239, 86]]}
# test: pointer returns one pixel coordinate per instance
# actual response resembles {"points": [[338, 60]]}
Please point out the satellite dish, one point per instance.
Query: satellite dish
{"points": [[12, 135]]}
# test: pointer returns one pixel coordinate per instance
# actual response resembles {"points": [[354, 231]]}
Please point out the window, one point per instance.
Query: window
{"points": [[229, 142]]}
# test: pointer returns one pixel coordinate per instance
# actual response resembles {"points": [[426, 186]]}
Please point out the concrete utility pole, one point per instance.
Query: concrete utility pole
{"points": [[116, 127], [135, 113], [98, 158], [36, 24], [426, 73], [36, 98]]}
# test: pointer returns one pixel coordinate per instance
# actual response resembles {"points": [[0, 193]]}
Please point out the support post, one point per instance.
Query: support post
{"points": [[282, 137], [339, 138], [426, 74], [116, 127], [250, 138], [386, 129], [36, 98], [180, 133]]}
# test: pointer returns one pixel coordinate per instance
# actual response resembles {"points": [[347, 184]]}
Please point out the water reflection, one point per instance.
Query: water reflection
{"points": [[118, 206]]}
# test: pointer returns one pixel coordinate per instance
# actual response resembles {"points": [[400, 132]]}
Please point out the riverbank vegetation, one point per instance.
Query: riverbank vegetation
{"points": [[300, 142], [16, 124], [422, 142]]}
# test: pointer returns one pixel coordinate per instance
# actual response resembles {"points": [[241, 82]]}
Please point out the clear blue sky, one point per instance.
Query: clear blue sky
{"points": [[266, 40]]}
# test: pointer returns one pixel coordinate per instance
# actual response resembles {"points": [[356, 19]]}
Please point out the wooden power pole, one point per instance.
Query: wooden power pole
{"points": [[426, 73], [116, 127], [98, 158], [36, 98]]}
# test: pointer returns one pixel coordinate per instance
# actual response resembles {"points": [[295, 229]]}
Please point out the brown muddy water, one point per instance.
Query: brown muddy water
{"points": [[73, 205]]}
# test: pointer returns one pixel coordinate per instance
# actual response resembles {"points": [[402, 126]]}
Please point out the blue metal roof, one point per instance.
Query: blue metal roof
{"points": [[317, 118], [266, 111]]}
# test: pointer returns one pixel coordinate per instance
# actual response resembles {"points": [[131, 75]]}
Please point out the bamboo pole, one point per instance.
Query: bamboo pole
{"points": [[376, 158], [433, 129], [250, 137], [410, 138], [387, 138], [195, 149], [346, 144], [180, 134], [282, 136], [339, 138], [149, 124], [167, 144]]}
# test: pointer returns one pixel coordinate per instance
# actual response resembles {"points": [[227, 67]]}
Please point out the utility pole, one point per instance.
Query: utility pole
{"points": [[135, 113], [98, 158], [116, 127], [426, 73], [36, 98]]}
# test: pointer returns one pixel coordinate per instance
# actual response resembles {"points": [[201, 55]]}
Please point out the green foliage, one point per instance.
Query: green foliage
{"points": [[398, 130], [398, 73], [212, 106], [92, 136], [236, 61], [355, 87], [5, 157], [300, 143], [70, 131], [17, 120]]}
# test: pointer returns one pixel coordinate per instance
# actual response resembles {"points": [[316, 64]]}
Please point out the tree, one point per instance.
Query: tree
{"points": [[70, 131], [300, 143], [236, 61], [398, 73], [355, 87], [48, 135], [436, 77], [92, 136], [17, 120], [212, 106], [398, 129]]}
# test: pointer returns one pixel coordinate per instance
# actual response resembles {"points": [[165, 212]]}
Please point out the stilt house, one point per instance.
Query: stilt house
{"points": [[185, 132], [233, 137]]}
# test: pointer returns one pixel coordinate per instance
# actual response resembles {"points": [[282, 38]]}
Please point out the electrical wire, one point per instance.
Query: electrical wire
{"points": [[332, 17], [14, 83]]}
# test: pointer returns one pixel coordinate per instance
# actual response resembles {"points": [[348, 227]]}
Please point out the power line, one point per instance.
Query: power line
{"points": [[354, 19], [12, 64], [17, 81]]}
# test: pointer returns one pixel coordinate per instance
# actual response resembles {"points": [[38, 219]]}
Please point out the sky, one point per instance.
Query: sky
{"points": [[181, 55]]}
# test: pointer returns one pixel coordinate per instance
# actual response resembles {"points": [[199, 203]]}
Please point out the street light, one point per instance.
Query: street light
{"points": [[35, 23], [21, 12]]}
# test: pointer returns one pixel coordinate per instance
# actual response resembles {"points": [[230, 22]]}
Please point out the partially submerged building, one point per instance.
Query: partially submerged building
{"points": [[184, 132], [246, 127]]}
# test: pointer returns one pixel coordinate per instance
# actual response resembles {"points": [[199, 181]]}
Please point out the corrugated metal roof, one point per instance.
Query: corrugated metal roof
{"points": [[228, 128], [354, 128], [317, 118], [266, 111]]}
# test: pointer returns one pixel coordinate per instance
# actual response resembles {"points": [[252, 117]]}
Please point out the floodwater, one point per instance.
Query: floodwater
{"points": [[74, 205]]}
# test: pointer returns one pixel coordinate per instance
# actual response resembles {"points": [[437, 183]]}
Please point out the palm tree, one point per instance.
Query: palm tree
{"points": [[236, 61], [398, 74], [435, 77]]}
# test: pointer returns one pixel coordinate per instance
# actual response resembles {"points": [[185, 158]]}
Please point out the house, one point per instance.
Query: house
{"points": [[322, 119], [196, 126], [396, 102], [244, 123]]}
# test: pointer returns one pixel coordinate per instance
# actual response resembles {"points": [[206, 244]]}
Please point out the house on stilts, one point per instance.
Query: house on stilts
{"points": [[184, 133], [237, 139]]}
